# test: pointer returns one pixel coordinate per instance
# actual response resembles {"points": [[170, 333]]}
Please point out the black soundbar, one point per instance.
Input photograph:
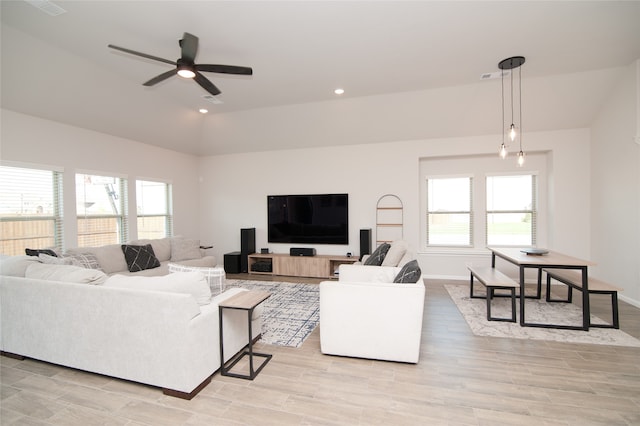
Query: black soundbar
{"points": [[302, 251]]}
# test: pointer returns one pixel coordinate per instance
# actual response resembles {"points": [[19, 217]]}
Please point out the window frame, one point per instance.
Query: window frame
{"points": [[168, 221], [470, 212], [122, 218], [534, 211], [57, 216]]}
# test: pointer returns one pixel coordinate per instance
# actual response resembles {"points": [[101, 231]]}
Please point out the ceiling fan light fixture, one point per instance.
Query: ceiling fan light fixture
{"points": [[185, 71]]}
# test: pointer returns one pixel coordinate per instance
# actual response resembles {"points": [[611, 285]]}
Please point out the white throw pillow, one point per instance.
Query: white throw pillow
{"points": [[65, 273], [193, 283], [185, 249], [395, 253]]}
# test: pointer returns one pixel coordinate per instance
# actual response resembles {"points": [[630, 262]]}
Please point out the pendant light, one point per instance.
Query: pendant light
{"points": [[515, 132]]}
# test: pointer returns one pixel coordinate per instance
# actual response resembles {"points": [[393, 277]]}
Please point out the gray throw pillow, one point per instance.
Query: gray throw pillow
{"points": [[140, 258], [410, 273], [378, 255]]}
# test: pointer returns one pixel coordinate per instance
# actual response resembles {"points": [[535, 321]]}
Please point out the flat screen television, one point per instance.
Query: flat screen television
{"points": [[308, 219]]}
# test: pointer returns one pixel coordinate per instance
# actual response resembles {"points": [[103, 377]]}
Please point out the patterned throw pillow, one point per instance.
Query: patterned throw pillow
{"points": [[84, 260], [378, 255], [140, 258], [410, 273]]}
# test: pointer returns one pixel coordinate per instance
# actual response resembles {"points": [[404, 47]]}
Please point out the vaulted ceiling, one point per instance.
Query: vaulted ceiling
{"points": [[417, 65]]}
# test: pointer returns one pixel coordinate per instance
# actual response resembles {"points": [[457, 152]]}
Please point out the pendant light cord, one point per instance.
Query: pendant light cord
{"points": [[520, 102]]}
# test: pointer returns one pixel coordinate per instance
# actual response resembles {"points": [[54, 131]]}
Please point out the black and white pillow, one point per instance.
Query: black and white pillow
{"points": [[36, 252], [378, 255], [140, 258], [410, 273]]}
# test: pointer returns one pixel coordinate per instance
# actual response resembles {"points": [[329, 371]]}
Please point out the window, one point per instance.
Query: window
{"points": [[30, 209], [449, 214], [153, 201], [511, 210], [101, 205]]}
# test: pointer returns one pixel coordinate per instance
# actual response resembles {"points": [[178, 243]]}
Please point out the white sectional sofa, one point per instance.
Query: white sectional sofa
{"points": [[161, 331]]}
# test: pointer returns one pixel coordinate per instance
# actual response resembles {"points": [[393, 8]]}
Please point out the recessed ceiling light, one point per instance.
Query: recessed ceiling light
{"points": [[203, 110], [338, 91]]}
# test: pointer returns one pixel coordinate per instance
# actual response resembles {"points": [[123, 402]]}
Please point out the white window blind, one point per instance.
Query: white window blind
{"points": [[101, 203], [30, 210], [449, 213], [154, 209], [511, 210]]}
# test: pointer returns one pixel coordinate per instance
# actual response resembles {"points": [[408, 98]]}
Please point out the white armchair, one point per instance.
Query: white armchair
{"points": [[366, 315]]}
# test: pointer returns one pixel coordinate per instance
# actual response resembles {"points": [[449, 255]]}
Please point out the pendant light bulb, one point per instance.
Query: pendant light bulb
{"points": [[503, 151], [520, 159], [512, 132]]}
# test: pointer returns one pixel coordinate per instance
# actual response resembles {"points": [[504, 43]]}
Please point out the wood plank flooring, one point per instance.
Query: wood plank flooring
{"points": [[461, 379]]}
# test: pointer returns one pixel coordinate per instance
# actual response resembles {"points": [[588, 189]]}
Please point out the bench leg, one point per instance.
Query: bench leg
{"points": [[512, 295], [569, 292], [471, 295], [615, 321]]}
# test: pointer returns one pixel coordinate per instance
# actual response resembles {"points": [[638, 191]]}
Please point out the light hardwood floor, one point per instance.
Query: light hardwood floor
{"points": [[461, 379]]}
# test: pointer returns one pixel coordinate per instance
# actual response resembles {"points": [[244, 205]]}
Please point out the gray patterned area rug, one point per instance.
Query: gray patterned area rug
{"points": [[290, 314], [474, 312]]}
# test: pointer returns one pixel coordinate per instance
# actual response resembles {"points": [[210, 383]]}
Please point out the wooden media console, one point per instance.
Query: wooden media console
{"points": [[319, 266]]}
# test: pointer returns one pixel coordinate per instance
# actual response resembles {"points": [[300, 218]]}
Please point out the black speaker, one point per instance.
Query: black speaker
{"points": [[247, 247], [232, 262], [365, 242], [302, 251]]}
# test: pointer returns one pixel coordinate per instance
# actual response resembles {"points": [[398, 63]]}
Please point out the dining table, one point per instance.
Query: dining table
{"points": [[526, 258]]}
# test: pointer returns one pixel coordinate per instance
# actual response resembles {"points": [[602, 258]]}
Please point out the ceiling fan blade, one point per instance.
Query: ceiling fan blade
{"points": [[189, 47], [157, 79], [144, 55], [206, 84], [224, 69]]}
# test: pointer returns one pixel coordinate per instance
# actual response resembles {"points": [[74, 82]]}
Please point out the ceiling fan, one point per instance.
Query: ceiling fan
{"points": [[186, 66]]}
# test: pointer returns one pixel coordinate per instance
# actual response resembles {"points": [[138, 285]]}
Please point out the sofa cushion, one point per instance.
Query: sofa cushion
{"points": [[36, 252], [193, 283], [109, 257], [15, 266], [410, 273], [161, 247], [395, 253], [185, 249], [377, 257], [140, 258], [65, 273]]}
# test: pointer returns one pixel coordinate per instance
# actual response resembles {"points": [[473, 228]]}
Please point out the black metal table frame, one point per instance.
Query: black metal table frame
{"points": [[246, 351], [585, 294]]}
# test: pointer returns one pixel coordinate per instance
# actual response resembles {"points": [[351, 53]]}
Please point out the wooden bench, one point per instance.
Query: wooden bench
{"points": [[573, 279], [493, 280]]}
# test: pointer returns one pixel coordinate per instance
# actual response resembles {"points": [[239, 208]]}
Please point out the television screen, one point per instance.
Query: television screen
{"points": [[308, 219]]}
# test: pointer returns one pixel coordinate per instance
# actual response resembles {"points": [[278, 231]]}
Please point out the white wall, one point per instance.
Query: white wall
{"points": [[234, 189], [615, 187], [27, 139]]}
